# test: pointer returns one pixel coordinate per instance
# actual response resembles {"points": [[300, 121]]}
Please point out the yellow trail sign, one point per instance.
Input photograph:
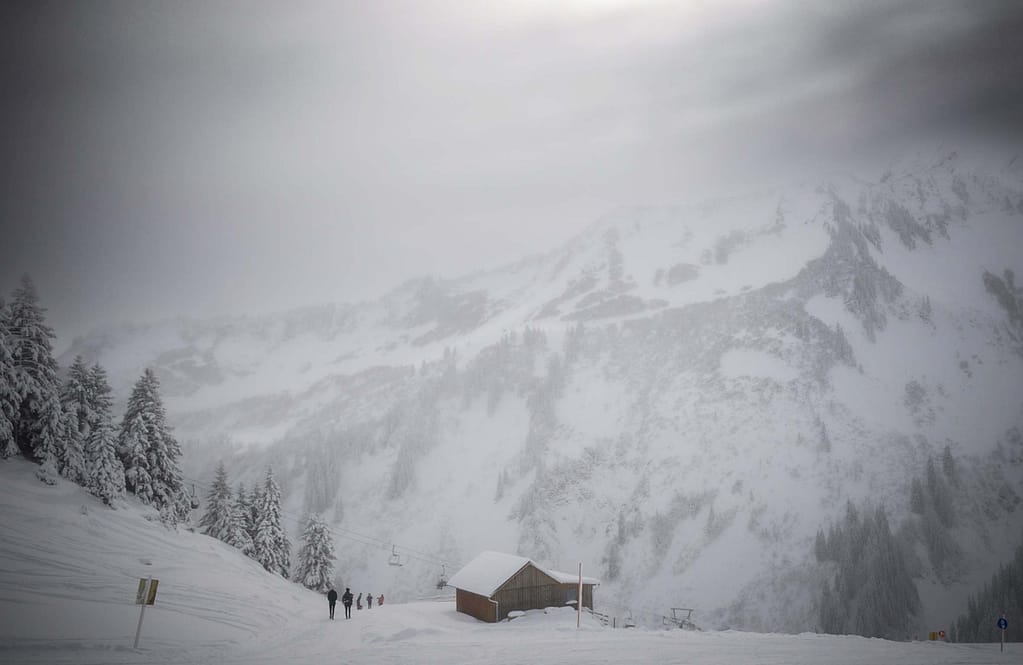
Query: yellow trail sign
{"points": [[144, 595]]}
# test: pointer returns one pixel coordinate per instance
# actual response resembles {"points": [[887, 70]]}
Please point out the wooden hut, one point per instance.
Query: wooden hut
{"points": [[494, 584]]}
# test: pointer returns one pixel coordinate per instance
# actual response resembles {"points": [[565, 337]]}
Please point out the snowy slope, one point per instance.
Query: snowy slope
{"points": [[69, 566], [678, 398]]}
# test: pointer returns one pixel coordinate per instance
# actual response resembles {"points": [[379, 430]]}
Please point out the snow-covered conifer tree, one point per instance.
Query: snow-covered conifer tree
{"points": [[76, 401], [133, 443], [177, 509], [216, 521], [316, 557], [103, 470], [9, 403], [238, 533], [253, 503], [272, 548], [39, 428], [149, 452]]}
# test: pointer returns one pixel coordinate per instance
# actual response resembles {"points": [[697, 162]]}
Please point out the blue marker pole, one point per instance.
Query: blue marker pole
{"points": [[1002, 625]]}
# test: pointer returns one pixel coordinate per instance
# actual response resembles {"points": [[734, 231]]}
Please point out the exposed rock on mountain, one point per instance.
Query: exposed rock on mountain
{"points": [[679, 398]]}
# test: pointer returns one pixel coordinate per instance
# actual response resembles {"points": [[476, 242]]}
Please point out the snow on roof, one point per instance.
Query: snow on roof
{"points": [[487, 572], [568, 578]]}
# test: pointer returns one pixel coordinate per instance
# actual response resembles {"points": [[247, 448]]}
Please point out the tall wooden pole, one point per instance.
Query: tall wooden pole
{"points": [[579, 599]]}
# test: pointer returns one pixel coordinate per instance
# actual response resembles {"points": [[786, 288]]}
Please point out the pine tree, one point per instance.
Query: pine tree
{"points": [[133, 442], [217, 520], [916, 497], [177, 509], [255, 500], [941, 496], [316, 557], [820, 546], [104, 471], [9, 402], [39, 427], [149, 452], [76, 401], [239, 531], [948, 464], [272, 548]]}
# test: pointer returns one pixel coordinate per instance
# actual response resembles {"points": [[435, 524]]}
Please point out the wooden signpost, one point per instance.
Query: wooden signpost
{"points": [[146, 595]]}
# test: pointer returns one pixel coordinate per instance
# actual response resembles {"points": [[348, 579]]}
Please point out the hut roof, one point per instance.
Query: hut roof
{"points": [[487, 572]]}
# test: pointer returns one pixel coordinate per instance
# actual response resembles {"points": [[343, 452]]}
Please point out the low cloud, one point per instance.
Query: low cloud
{"points": [[192, 158]]}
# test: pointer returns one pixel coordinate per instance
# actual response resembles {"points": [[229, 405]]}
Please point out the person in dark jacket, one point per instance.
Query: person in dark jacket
{"points": [[346, 600], [358, 602], [369, 601], [332, 599]]}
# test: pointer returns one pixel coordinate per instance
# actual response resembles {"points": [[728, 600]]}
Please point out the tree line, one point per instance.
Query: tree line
{"points": [[1001, 596], [872, 592], [252, 522], [68, 427]]}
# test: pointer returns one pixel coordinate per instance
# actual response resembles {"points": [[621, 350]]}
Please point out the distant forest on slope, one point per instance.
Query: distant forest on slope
{"points": [[1001, 596]]}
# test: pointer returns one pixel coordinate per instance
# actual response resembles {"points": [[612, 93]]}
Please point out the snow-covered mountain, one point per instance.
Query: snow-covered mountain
{"points": [[678, 398]]}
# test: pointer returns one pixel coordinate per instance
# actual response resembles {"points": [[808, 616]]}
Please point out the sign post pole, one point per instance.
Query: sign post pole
{"points": [[146, 595], [1002, 625], [140, 598], [579, 599]]}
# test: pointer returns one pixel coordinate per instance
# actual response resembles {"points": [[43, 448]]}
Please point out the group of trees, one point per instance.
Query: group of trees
{"points": [[68, 428], [932, 502], [872, 592], [253, 523], [1001, 596]]}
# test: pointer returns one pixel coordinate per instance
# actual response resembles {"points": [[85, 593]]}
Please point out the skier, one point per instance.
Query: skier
{"points": [[358, 602], [380, 600], [346, 600], [332, 599], [369, 601]]}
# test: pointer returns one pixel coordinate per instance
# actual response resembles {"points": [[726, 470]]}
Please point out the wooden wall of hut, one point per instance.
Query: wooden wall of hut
{"points": [[533, 589], [476, 605]]}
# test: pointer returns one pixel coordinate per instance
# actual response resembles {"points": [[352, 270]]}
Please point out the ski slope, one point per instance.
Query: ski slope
{"points": [[69, 568]]}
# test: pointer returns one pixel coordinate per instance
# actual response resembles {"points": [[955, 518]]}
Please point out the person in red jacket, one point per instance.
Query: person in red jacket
{"points": [[380, 600]]}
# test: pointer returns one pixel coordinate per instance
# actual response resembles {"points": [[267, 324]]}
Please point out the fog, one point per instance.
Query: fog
{"points": [[188, 158]]}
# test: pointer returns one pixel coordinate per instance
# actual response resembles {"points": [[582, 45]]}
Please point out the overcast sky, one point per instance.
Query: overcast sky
{"points": [[204, 157]]}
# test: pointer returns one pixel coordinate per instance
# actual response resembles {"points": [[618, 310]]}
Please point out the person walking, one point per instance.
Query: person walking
{"points": [[358, 602], [332, 599], [369, 601], [346, 600], [380, 600]]}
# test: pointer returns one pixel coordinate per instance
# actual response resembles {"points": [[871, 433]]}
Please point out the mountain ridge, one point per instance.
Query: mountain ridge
{"points": [[681, 397]]}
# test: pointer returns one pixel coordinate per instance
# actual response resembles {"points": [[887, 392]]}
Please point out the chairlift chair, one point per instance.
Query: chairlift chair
{"points": [[629, 622], [395, 560], [684, 621], [194, 498]]}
